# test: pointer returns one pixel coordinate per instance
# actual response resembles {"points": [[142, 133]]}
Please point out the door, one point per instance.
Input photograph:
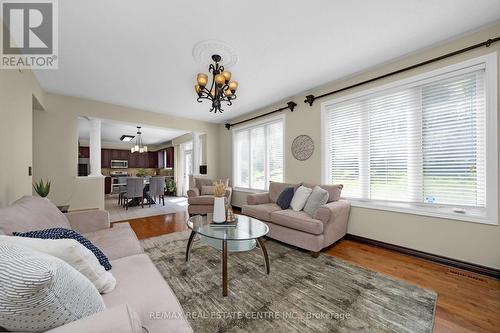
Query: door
{"points": [[188, 169]]}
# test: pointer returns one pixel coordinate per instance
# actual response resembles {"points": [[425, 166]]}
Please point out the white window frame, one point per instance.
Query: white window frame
{"points": [[487, 215], [250, 126]]}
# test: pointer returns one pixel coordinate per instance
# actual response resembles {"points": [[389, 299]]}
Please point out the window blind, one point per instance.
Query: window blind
{"points": [[258, 155], [421, 142]]}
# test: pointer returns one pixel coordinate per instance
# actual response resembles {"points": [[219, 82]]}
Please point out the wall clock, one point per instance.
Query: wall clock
{"points": [[302, 147]]}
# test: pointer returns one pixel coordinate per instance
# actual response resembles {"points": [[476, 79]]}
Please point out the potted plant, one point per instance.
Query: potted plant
{"points": [[170, 186], [141, 173], [41, 188]]}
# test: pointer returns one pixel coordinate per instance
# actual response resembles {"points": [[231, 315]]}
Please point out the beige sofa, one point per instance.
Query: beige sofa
{"points": [[327, 225], [140, 288], [200, 204]]}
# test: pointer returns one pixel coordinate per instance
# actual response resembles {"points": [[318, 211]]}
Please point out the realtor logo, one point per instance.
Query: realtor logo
{"points": [[29, 37]]}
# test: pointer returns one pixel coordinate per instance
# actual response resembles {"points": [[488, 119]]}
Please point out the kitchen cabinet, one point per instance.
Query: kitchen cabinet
{"points": [[153, 159], [135, 160], [107, 185], [170, 157], [105, 158], [83, 152]]}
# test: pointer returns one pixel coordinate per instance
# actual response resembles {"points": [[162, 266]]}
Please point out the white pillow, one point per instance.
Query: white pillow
{"points": [[300, 198], [73, 253], [40, 292]]}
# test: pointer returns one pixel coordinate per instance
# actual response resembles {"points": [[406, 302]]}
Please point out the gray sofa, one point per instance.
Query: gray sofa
{"points": [[200, 204], [327, 225], [140, 288]]}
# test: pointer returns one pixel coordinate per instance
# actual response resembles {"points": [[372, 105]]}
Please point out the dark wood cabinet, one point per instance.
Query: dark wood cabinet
{"points": [[170, 157], [135, 160], [107, 185], [83, 152], [153, 159], [105, 158]]}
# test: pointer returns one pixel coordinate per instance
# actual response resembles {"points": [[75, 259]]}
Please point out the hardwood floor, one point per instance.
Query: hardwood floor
{"points": [[467, 302]]}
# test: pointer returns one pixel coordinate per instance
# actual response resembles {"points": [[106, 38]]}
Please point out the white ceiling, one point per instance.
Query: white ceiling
{"points": [[111, 132], [138, 53]]}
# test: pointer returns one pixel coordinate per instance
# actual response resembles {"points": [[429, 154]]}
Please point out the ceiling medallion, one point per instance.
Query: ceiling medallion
{"points": [[221, 89], [203, 51]]}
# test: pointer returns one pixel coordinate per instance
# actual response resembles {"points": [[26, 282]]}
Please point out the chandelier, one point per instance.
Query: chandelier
{"points": [[221, 89], [139, 146]]}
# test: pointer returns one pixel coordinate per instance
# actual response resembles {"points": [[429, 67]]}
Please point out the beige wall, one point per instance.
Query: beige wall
{"points": [[56, 140], [17, 90], [465, 241]]}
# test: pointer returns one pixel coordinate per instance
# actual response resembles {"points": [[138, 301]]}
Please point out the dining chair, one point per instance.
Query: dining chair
{"points": [[157, 189], [121, 189], [135, 189]]}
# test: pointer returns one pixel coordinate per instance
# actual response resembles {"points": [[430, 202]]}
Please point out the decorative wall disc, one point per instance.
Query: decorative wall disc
{"points": [[204, 50], [302, 147]]}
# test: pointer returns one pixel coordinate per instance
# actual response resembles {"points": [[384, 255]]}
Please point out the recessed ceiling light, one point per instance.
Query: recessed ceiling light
{"points": [[127, 138]]}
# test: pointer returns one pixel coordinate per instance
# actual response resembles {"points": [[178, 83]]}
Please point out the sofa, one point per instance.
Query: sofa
{"points": [[327, 225], [140, 293], [200, 203]]}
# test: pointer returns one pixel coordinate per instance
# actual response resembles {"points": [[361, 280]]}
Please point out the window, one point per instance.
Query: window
{"points": [[420, 141], [258, 155]]}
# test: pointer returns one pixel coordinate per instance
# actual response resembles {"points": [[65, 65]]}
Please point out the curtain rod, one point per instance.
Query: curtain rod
{"points": [[311, 98], [290, 105]]}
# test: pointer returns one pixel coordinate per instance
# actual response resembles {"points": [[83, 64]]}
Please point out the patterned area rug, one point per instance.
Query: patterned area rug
{"points": [[302, 294]]}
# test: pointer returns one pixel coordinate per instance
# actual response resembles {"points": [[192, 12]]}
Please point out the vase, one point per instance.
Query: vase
{"points": [[219, 210]]}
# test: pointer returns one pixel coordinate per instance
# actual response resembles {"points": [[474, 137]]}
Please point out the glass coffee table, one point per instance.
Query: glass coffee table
{"points": [[245, 236]]}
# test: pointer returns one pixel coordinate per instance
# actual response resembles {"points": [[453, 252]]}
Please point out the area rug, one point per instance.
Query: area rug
{"points": [[301, 294]]}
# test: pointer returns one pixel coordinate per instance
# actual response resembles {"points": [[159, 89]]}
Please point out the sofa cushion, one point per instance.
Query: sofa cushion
{"points": [[297, 220], [261, 212], [207, 190], [300, 198], [31, 213], [317, 198], [276, 188], [141, 286], [40, 292], [72, 253], [61, 233], [201, 200], [334, 191], [285, 198], [118, 242]]}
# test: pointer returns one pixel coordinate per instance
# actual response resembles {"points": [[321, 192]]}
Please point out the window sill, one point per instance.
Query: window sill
{"points": [[475, 215], [248, 190]]}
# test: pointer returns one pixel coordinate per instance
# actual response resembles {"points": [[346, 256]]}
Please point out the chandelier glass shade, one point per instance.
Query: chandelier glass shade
{"points": [[222, 89], [139, 147]]}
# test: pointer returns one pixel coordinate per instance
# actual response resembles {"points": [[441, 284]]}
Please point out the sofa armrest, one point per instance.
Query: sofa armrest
{"points": [[335, 216], [88, 221], [120, 318], [194, 192], [258, 198]]}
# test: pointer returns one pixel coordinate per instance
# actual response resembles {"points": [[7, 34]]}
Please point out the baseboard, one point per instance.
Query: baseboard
{"points": [[488, 271]]}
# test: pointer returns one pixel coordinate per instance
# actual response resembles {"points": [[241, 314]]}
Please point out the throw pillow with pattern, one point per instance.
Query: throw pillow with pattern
{"points": [[62, 233]]}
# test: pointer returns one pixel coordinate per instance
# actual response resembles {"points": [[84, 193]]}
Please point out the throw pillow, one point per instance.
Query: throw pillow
{"points": [[207, 190], [285, 198], [71, 252], [318, 197], [61, 233], [41, 292], [300, 198]]}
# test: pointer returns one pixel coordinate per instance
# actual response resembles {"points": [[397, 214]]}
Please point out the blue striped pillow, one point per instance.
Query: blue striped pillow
{"points": [[62, 233]]}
